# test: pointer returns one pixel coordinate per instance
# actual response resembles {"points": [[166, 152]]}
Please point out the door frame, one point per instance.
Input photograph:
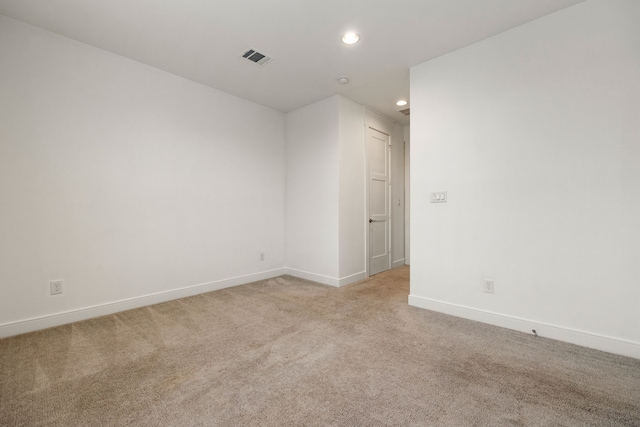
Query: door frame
{"points": [[377, 122], [389, 227]]}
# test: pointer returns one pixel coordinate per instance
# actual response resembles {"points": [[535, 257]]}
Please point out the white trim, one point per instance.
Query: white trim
{"points": [[326, 280], [585, 339], [319, 278], [398, 263], [48, 321], [344, 281], [367, 196], [381, 128]]}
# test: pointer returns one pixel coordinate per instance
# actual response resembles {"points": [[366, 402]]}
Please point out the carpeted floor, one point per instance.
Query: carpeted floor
{"points": [[289, 352]]}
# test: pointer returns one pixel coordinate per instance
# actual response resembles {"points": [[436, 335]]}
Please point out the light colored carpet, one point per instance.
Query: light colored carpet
{"points": [[289, 352]]}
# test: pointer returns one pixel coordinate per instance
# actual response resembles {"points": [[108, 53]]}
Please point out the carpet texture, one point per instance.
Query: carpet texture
{"points": [[286, 352]]}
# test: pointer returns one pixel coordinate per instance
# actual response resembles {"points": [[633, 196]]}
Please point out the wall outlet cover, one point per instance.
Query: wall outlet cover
{"points": [[488, 286], [55, 287]]}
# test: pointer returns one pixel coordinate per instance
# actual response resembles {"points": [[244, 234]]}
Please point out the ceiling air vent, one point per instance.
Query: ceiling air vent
{"points": [[257, 57], [406, 111]]}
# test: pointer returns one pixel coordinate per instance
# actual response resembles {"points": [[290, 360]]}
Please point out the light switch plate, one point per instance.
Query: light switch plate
{"points": [[438, 197]]}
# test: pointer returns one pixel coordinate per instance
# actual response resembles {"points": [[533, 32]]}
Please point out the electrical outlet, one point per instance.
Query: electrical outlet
{"points": [[488, 286], [56, 287], [261, 256]]}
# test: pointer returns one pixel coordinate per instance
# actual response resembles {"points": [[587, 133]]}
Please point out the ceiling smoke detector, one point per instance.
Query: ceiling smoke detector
{"points": [[257, 57], [343, 80]]}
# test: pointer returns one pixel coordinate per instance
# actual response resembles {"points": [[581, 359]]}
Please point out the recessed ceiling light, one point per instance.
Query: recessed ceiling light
{"points": [[343, 80], [401, 103], [350, 38]]}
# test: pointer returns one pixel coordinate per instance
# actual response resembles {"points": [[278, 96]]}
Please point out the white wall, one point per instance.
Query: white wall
{"points": [[397, 197], [312, 191], [534, 134], [126, 181], [325, 213], [352, 208], [407, 195]]}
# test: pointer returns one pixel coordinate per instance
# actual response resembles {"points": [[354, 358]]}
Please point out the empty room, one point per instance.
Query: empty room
{"points": [[337, 213]]}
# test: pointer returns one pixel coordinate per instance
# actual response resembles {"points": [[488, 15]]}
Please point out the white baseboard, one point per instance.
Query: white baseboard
{"points": [[48, 321], [319, 278], [585, 339], [344, 281], [326, 280], [398, 263]]}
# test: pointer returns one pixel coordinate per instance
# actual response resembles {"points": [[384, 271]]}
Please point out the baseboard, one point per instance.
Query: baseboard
{"points": [[344, 281], [43, 322], [326, 280], [319, 278], [398, 263], [585, 339]]}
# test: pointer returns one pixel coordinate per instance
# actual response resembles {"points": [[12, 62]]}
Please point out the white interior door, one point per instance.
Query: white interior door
{"points": [[379, 254]]}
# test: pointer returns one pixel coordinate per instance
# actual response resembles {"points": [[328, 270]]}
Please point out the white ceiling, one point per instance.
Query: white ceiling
{"points": [[202, 40]]}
